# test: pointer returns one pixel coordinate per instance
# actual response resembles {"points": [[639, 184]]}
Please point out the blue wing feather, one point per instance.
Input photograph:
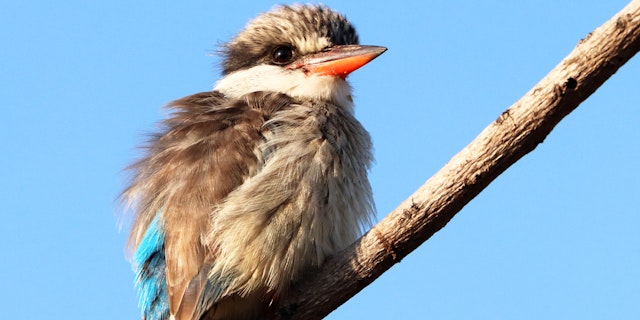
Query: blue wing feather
{"points": [[149, 265], [150, 268]]}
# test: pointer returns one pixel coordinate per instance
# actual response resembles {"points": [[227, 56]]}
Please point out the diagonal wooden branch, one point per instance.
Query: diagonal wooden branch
{"points": [[516, 132]]}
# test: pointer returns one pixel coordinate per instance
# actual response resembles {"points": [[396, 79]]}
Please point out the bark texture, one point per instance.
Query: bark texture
{"points": [[516, 132]]}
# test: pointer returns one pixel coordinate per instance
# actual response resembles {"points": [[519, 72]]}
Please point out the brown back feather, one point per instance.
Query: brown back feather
{"points": [[205, 151]]}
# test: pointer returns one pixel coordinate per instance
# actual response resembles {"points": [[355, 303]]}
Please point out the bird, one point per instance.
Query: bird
{"points": [[246, 187]]}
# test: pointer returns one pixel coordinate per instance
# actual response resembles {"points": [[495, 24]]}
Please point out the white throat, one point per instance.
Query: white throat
{"points": [[291, 82]]}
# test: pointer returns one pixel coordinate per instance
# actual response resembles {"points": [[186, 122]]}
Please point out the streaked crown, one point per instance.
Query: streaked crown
{"points": [[305, 28]]}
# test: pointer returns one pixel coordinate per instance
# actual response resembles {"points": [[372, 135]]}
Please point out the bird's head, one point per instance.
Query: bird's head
{"points": [[301, 50]]}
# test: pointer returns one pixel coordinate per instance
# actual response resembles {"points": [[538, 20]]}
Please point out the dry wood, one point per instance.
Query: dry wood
{"points": [[516, 132]]}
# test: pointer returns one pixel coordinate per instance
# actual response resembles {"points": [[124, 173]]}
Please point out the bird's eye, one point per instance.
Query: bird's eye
{"points": [[282, 55]]}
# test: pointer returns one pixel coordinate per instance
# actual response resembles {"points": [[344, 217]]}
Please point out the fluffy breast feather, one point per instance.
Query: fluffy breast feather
{"points": [[309, 198], [248, 192]]}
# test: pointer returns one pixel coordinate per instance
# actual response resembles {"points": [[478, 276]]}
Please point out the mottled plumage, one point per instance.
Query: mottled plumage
{"points": [[247, 186]]}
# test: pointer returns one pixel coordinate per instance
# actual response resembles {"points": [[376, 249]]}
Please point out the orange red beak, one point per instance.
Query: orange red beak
{"points": [[337, 61]]}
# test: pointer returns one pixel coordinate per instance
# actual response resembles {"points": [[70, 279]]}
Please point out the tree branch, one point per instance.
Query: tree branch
{"points": [[516, 132]]}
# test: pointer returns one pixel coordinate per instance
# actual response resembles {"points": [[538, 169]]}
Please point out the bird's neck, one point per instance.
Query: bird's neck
{"points": [[290, 82]]}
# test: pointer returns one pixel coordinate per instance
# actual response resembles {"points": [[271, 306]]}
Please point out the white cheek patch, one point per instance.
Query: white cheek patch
{"points": [[291, 82]]}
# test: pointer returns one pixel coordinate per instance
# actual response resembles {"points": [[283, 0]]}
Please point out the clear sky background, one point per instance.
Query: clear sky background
{"points": [[554, 237]]}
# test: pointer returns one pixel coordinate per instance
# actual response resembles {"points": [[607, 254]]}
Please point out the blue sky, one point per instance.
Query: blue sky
{"points": [[554, 237]]}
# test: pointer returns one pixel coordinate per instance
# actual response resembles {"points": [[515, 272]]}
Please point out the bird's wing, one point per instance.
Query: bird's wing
{"points": [[205, 151]]}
